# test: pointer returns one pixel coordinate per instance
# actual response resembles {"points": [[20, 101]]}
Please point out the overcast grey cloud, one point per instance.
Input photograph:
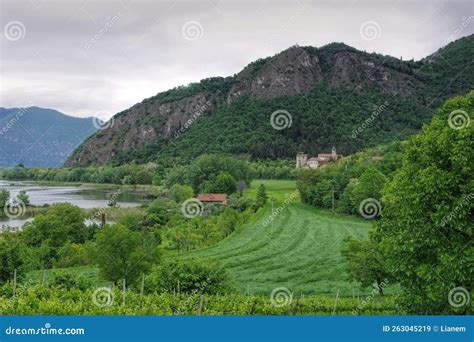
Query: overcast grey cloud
{"points": [[86, 57]]}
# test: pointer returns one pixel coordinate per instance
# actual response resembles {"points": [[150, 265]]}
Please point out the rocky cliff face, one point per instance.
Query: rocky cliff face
{"points": [[294, 71], [142, 124]]}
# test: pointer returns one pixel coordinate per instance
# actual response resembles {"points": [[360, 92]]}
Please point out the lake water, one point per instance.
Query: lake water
{"points": [[87, 196]]}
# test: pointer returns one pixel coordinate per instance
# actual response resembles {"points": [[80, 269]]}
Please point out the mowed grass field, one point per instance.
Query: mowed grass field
{"points": [[300, 250]]}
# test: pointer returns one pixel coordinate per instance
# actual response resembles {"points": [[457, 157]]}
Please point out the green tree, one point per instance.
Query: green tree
{"points": [[158, 212], [201, 174], [14, 254], [365, 263], [368, 186], [261, 195], [23, 197], [224, 183], [124, 254], [427, 218], [179, 193], [4, 197], [56, 226], [142, 177]]}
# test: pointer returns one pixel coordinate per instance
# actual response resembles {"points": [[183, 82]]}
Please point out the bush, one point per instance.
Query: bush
{"points": [[70, 281], [189, 276], [73, 254]]}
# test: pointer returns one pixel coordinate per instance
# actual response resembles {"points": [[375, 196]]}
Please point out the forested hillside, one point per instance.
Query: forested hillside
{"points": [[324, 97]]}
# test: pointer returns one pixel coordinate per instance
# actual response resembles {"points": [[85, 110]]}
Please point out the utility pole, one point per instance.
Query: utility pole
{"points": [[333, 200], [273, 217]]}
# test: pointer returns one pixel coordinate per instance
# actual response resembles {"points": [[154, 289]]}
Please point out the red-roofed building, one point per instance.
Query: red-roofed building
{"points": [[213, 198]]}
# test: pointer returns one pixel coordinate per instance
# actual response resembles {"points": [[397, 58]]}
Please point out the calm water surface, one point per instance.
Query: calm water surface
{"points": [[86, 196]]}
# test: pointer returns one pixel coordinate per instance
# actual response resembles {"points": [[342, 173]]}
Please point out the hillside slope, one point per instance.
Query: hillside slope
{"points": [[39, 137], [300, 251], [329, 92]]}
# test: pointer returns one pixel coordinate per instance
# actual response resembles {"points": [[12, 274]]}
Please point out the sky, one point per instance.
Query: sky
{"points": [[97, 58]]}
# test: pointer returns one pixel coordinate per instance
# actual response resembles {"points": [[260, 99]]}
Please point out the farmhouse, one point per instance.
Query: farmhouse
{"points": [[213, 198], [302, 160]]}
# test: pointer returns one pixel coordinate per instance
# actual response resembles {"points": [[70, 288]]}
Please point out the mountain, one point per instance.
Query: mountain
{"points": [[333, 95], [40, 137]]}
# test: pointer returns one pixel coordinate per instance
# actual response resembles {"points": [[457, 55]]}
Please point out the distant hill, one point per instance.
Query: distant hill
{"points": [[40, 137], [332, 96]]}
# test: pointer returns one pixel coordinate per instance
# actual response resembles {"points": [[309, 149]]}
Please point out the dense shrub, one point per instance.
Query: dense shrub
{"points": [[188, 276]]}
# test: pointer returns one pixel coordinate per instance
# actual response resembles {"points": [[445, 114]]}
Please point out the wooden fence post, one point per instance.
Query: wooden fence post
{"points": [[143, 284], [124, 292], [335, 303], [295, 306], [254, 306], [201, 305], [14, 282]]}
